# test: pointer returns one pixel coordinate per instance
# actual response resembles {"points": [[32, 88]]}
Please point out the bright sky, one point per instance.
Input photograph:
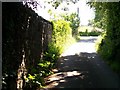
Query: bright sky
{"points": [[85, 12]]}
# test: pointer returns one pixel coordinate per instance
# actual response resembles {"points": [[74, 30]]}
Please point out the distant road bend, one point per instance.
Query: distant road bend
{"points": [[81, 67]]}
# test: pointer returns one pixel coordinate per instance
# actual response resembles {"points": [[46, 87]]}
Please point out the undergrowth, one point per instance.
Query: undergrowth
{"points": [[107, 54]]}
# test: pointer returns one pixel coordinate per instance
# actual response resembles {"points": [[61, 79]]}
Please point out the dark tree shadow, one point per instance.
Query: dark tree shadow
{"points": [[83, 70], [74, 71]]}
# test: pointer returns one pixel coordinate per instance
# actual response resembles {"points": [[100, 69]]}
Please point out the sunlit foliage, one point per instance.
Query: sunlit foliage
{"points": [[108, 18], [62, 34], [74, 22]]}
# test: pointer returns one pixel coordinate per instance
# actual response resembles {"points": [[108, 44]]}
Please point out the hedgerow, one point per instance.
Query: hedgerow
{"points": [[109, 47]]}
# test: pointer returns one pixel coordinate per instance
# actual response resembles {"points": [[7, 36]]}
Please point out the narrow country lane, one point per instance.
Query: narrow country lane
{"points": [[81, 67]]}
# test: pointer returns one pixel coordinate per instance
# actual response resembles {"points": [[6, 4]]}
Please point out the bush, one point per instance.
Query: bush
{"points": [[92, 33], [115, 66], [106, 49], [109, 48], [61, 34]]}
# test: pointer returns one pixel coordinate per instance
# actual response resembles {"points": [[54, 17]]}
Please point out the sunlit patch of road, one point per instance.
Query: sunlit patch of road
{"points": [[86, 44]]}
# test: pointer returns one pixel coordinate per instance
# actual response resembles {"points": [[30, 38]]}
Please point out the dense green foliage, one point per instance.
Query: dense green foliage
{"points": [[74, 22], [100, 19], [108, 17], [61, 39], [92, 33], [62, 35]]}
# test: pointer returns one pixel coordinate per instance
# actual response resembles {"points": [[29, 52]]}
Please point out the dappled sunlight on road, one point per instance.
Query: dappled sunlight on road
{"points": [[72, 72], [62, 77], [86, 44]]}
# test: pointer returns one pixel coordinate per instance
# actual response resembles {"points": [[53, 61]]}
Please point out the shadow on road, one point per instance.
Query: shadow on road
{"points": [[83, 70], [88, 40], [78, 61], [74, 71]]}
